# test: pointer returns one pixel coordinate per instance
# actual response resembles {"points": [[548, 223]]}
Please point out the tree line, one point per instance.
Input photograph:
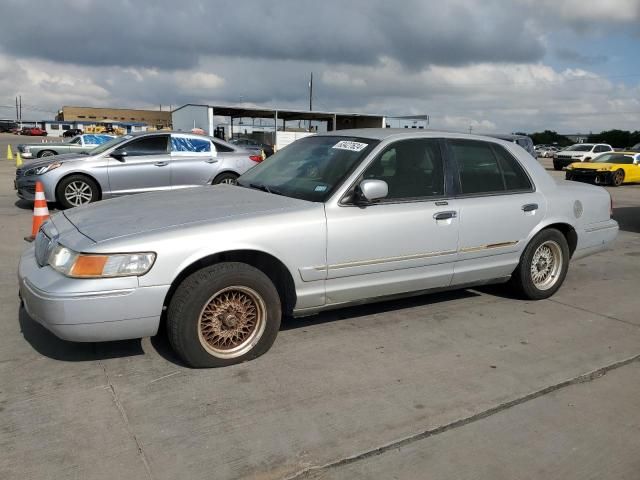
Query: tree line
{"points": [[615, 138]]}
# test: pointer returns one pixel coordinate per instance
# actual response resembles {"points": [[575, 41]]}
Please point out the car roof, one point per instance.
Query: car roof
{"points": [[399, 133]]}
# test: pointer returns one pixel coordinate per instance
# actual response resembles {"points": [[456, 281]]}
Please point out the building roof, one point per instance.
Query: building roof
{"points": [[283, 114]]}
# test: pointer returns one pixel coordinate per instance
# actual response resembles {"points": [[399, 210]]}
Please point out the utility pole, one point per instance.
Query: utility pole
{"points": [[20, 97], [17, 115], [470, 129], [311, 92]]}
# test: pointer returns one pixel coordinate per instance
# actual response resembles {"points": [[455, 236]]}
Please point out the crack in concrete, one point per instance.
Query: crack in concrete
{"points": [[586, 310], [584, 378], [125, 418]]}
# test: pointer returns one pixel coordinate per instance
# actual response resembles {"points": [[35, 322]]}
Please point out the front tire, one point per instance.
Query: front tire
{"points": [[557, 166], [223, 314], [46, 153], [543, 266], [77, 190], [618, 178]]}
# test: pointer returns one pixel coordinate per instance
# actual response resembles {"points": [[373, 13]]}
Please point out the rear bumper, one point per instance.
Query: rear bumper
{"points": [[88, 316], [595, 238]]}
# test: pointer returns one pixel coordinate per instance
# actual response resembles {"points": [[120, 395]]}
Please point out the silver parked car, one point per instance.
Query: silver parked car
{"points": [[79, 144], [330, 220], [135, 163]]}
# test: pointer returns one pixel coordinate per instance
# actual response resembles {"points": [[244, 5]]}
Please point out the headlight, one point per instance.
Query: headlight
{"points": [[80, 265], [42, 170]]}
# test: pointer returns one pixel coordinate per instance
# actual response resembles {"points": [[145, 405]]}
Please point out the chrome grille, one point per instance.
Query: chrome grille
{"points": [[42, 244]]}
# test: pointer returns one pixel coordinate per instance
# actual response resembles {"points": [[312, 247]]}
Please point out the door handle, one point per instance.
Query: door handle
{"points": [[530, 207], [161, 164], [211, 160], [445, 215]]}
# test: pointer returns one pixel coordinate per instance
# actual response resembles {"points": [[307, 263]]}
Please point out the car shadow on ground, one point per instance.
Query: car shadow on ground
{"points": [[47, 344], [628, 218], [28, 205]]}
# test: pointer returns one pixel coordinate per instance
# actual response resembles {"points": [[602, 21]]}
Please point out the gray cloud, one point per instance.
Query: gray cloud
{"points": [[170, 35], [572, 56]]}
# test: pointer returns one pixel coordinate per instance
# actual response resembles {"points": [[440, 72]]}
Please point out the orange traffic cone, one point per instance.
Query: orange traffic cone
{"points": [[40, 212]]}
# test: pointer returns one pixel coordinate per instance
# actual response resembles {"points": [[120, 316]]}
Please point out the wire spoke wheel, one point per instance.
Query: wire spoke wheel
{"points": [[78, 193], [47, 153], [546, 265], [232, 321]]}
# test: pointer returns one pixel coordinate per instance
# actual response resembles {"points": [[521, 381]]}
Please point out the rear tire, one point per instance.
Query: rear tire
{"points": [[77, 190], [227, 177], [543, 266], [223, 314], [618, 178]]}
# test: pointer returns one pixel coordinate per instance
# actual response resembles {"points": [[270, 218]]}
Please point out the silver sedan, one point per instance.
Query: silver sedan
{"points": [[134, 164], [330, 220]]}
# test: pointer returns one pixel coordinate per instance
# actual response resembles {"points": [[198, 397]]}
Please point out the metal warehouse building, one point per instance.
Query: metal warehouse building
{"points": [[279, 127]]}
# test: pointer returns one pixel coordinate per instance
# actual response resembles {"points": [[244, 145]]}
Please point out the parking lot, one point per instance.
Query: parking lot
{"points": [[466, 384]]}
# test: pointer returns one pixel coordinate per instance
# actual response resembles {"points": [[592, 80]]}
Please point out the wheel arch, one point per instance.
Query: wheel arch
{"points": [[39, 154], [84, 174], [271, 266], [566, 229], [225, 171]]}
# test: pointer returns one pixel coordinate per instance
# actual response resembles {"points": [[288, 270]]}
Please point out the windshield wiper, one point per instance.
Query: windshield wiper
{"points": [[264, 188]]}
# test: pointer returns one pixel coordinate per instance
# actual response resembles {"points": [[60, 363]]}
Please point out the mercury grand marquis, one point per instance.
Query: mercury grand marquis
{"points": [[331, 220]]}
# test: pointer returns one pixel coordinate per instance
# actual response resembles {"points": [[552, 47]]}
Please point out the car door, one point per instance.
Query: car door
{"points": [[194, 161], [144, 167], [498, 208], [405, 242]]}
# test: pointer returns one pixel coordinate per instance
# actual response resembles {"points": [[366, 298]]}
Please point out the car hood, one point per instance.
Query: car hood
{"points": [[132, 215]]}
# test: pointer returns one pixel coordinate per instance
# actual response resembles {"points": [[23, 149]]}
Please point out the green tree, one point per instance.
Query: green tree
{"points": [[549, 137]]}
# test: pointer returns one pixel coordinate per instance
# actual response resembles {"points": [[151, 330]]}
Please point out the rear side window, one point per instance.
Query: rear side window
{"points": [[221, 147], [190, 144], [146, 146], [485, 169]]}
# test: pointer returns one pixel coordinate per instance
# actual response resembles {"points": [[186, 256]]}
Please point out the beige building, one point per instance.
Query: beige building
{"points": [[86, 114]]}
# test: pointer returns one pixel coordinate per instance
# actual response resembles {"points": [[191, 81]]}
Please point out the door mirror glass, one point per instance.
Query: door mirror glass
{"points": [[372, 190], [119, 154]]}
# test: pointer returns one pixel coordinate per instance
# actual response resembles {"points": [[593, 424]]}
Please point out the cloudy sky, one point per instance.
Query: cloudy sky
{"points": [[494, 65]]}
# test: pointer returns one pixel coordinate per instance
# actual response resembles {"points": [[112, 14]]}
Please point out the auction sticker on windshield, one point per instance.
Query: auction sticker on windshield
{"points": [[352, 146]]}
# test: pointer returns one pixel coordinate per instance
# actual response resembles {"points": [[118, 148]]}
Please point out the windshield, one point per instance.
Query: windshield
{"points": [[579, 148], [310, 168], [111, 143], [613, 158]]}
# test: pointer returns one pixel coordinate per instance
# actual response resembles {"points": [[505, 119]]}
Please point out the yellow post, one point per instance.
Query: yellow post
{"points": [[9, 153], [18, 160]]}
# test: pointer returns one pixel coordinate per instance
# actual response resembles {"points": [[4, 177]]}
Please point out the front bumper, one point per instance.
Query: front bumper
{"points": [[92, 310], [564, 162], [25, 187], [590, 176]]}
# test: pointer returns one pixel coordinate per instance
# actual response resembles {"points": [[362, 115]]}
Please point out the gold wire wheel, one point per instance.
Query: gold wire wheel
{"points": [[546, 265], [232, 321]]}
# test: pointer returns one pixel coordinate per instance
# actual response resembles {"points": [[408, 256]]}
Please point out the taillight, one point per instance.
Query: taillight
{"points": [[610, 205], [256, 158]]}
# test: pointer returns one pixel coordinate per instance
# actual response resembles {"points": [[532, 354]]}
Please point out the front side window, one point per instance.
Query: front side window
{"points": [[310, 168], [484, 169], [156, 145], [190, 145], [413, 169]]}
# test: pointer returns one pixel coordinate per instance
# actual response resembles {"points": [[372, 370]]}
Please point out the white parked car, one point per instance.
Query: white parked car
{"points": [[580, 152]]}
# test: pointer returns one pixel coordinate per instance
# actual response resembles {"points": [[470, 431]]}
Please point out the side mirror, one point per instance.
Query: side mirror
{"points": [[372, 190], [119, 155]]}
